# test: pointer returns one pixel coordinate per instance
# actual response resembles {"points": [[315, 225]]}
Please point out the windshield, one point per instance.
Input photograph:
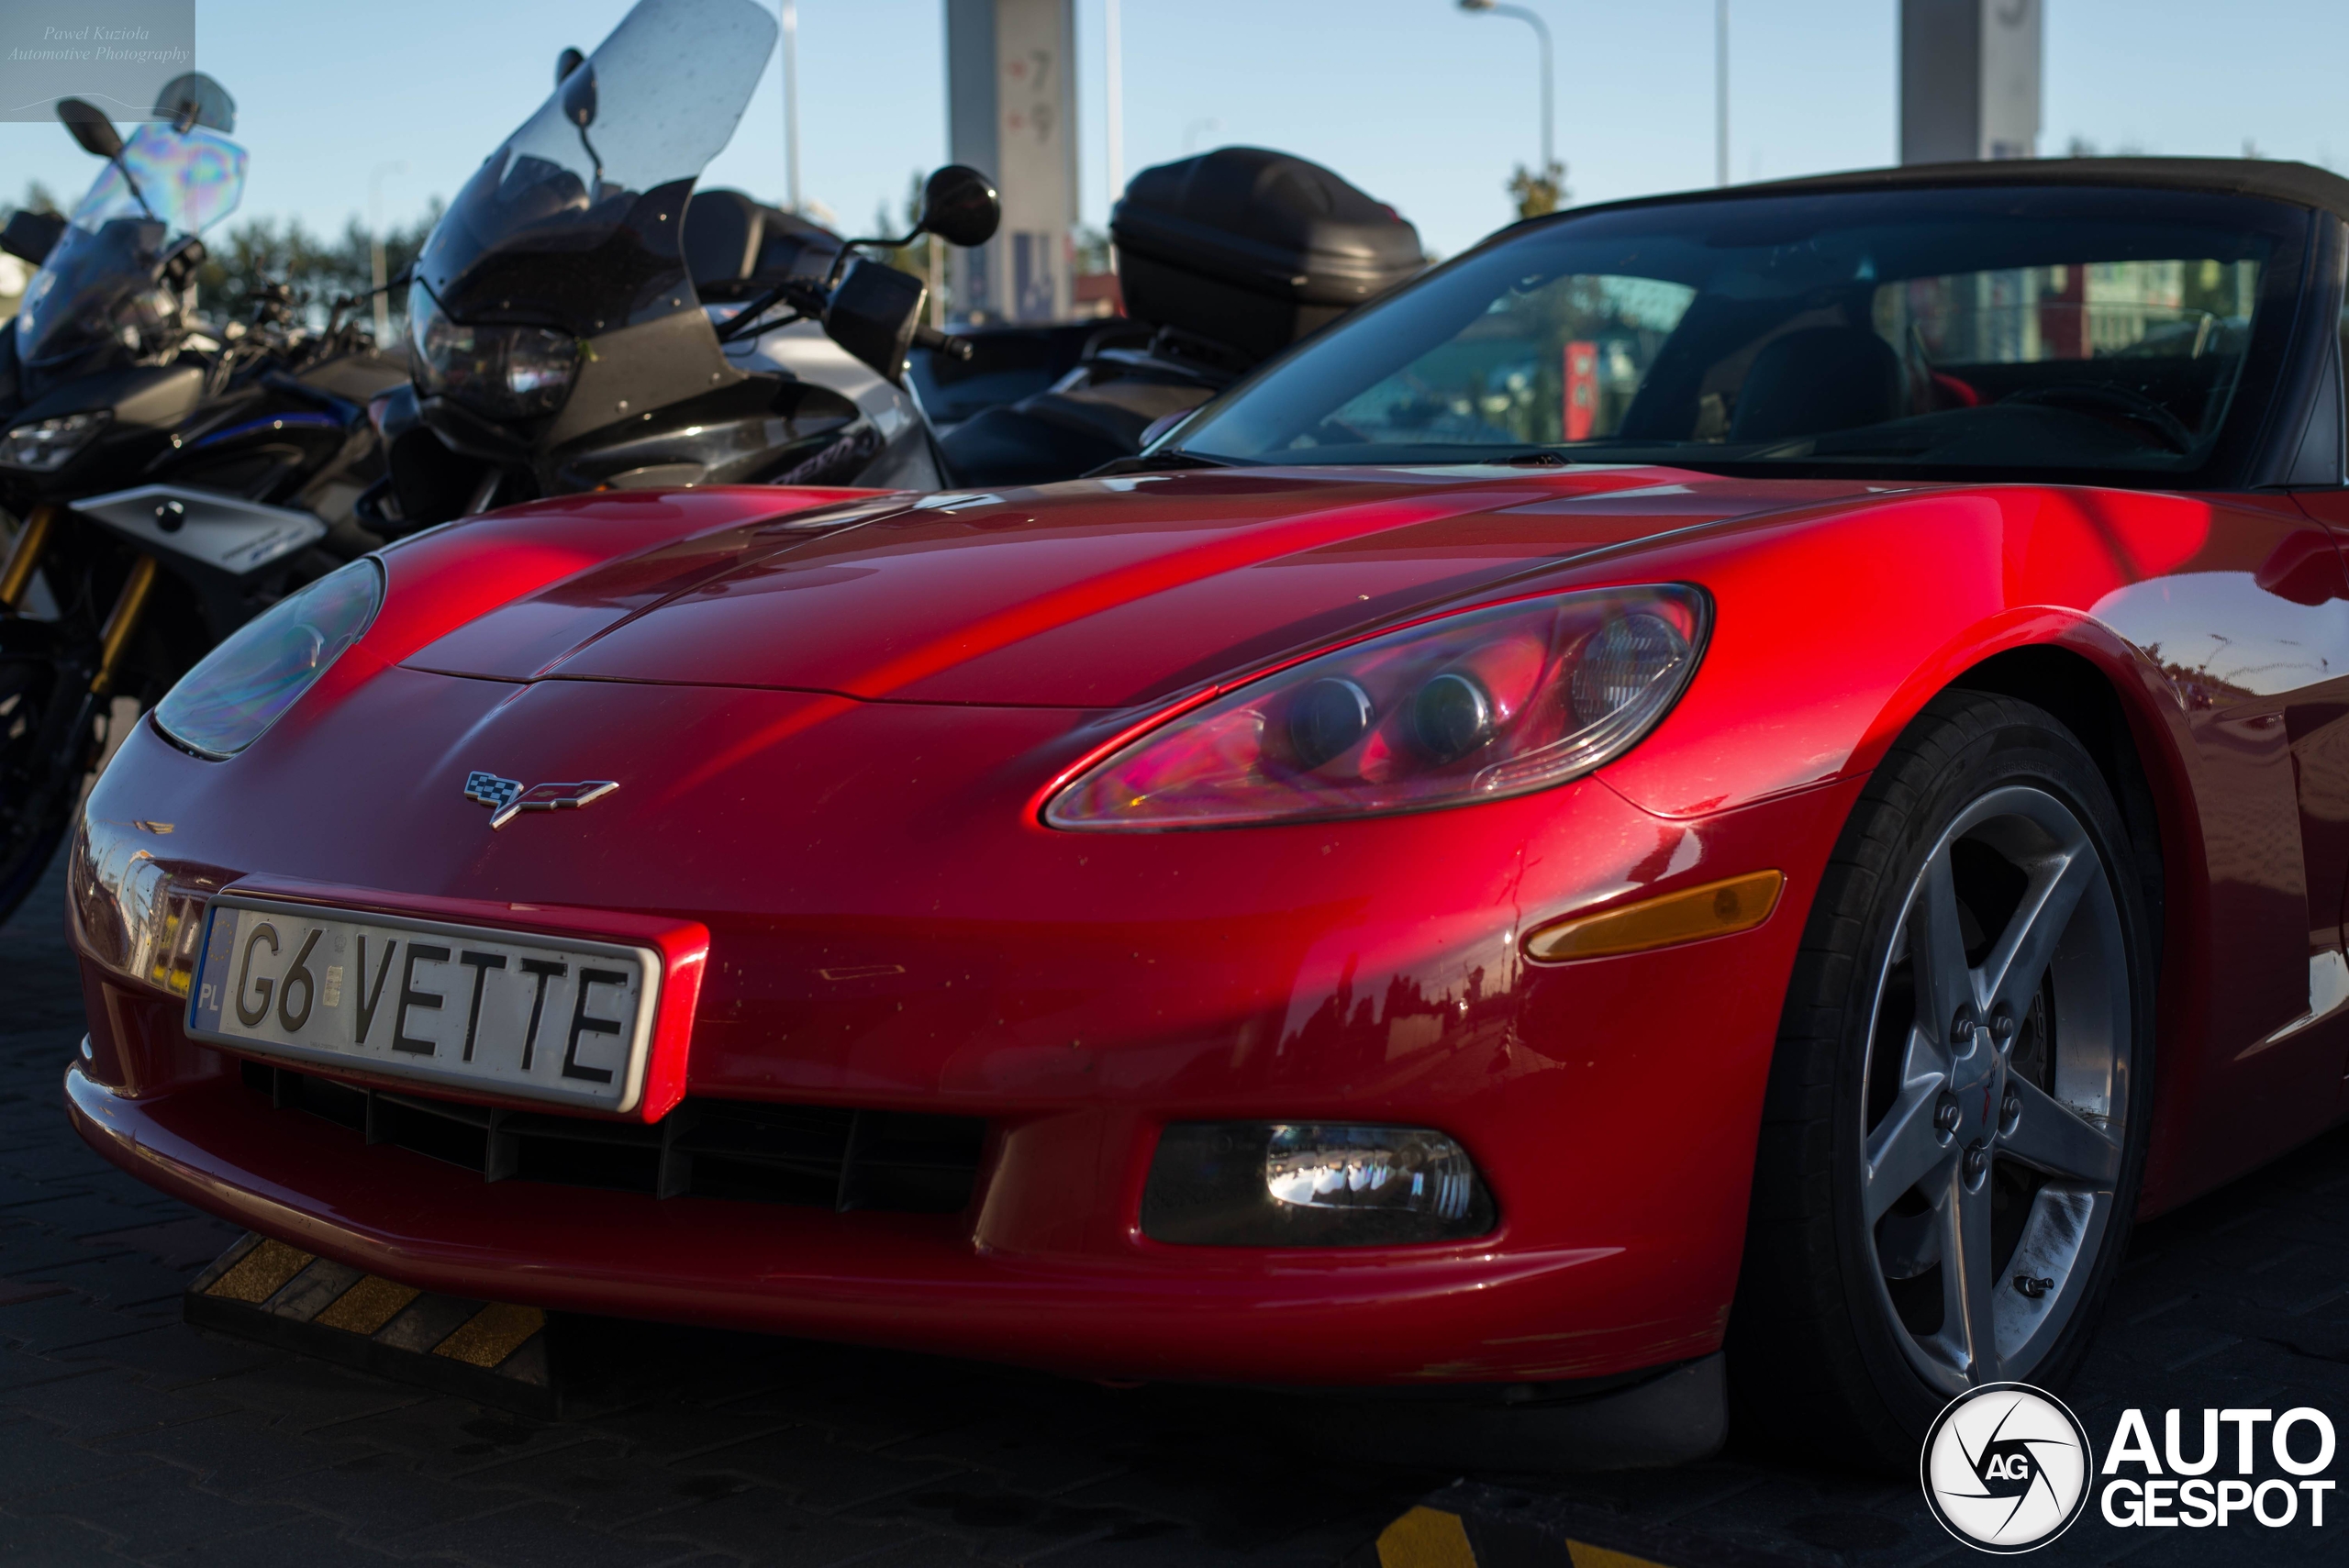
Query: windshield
{"points": [[99, 281], [575, 225], [1966, 331]]}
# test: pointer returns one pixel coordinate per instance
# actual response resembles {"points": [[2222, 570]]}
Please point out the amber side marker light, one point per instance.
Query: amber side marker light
{"points": [[1713, 910]]}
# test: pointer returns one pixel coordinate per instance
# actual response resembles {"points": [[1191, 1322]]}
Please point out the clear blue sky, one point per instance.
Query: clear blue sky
{"points": [[1424, 107]]}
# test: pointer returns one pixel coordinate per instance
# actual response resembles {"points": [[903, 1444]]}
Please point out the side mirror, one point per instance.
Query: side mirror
{"points": [[873, 315], [197, 99], [272, 304], [179, 267], [90, 129], [31, 236], [577, 95], [1163, 423], [2298, 572], [566, 63], [959, 205]]}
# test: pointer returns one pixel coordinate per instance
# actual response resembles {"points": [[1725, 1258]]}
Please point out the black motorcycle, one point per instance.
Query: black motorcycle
{"points": [[174, 478], [562, 334], [1224, 260], [582, 319]]}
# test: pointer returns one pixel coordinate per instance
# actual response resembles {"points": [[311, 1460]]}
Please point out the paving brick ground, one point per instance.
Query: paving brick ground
{"points": [[127, 1436]]}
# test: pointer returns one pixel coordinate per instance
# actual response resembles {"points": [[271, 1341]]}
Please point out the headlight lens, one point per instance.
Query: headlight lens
{"points": [[1470, 706], [504, 371], [244, 685], [1238, 1184], [47, 445]]}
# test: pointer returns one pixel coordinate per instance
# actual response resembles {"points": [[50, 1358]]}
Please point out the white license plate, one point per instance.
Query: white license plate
{"points": [[538, 1017]]}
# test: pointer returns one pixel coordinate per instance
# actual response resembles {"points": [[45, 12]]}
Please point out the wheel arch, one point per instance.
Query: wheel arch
{"points": [[2136, 748], [2081, 695]]}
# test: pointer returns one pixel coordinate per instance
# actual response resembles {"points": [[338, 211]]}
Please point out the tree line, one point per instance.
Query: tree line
{"points": [[245, 256]]}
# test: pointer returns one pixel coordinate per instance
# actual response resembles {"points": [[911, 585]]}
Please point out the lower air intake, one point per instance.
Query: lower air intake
{"points": [[816, 1155]]}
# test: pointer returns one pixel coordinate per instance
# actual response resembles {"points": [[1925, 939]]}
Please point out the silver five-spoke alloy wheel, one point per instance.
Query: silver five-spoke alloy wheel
{"points": [[1996, 1093]]}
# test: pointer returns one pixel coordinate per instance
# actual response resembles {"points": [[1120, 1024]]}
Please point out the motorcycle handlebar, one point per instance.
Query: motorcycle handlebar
{"points": [[947, 343]]}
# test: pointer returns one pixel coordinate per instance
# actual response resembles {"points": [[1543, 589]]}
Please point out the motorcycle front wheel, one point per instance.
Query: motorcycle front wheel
{"points": [[28, 834]]}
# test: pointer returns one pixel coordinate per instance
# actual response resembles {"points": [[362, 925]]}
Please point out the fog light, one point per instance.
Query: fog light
{"points": [[1236, 1184]]}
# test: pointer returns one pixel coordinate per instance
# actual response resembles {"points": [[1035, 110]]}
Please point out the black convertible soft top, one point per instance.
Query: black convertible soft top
{"points": [[2300, 183]]}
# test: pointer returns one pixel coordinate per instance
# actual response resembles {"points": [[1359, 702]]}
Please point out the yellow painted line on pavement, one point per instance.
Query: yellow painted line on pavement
{"points": [[1426, 1537], [1434, 1538], [1585, 1555]]}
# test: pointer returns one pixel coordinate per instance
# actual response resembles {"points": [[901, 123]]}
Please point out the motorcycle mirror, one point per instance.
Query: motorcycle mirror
{"points": [[959, 205], [577, 95], [197, 99], [566, 63], [92, 130], [31, 236], [874, 313], [179, 267]]}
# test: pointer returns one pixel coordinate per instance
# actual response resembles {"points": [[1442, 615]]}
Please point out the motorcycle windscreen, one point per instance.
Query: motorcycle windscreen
{"points": [[101, 277], [576, 225]]}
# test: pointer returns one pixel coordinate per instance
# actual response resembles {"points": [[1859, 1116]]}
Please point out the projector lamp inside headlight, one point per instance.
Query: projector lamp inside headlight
{"points": [[1311, 1184], [1474, 704]]}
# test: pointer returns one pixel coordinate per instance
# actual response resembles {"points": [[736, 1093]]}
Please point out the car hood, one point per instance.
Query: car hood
{"points": [[1096, 594]]}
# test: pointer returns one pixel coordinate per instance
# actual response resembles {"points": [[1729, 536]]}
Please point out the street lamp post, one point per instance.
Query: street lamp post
{"points": [[791, 104], [376, 247], [1114, 98], [1541, 30], [1720, 92]]}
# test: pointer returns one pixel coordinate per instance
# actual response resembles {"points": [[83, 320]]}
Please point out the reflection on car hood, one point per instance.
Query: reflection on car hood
{"points": [[1098, 594]]}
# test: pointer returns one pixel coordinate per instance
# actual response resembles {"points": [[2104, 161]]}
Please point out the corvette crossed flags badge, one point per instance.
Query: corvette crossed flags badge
{"points": [[506, 799]]}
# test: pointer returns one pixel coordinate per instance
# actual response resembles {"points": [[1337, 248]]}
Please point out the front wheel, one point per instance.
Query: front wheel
{"points": [[31, 817], [1956, 1115]]}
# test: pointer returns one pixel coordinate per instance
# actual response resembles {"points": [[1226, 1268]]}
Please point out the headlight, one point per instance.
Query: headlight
{"points": [[47, 445], [1238, 1184], [504, 371], [242, 688], [1470, 706]]}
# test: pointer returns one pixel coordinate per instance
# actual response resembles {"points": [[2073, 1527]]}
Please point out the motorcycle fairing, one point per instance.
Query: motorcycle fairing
{"points": [[165, 184], [578, 226]]}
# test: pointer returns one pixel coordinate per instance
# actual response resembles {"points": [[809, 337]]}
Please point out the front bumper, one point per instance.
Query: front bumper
{"points": [[905, 1281], [1078, 992]]}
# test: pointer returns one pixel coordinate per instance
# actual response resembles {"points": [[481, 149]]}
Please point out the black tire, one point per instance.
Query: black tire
{"points": [[1832, 1347]]}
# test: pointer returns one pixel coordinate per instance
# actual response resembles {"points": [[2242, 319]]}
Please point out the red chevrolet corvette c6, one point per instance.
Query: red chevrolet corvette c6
{"points": [[1711, 797]]}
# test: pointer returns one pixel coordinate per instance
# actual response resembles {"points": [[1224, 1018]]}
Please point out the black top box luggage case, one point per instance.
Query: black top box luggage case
{"points": [[1253, 248]]}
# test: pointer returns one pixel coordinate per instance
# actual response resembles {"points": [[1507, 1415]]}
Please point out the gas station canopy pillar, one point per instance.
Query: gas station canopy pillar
{"points": [[1011, 112], [1969, 80]]}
